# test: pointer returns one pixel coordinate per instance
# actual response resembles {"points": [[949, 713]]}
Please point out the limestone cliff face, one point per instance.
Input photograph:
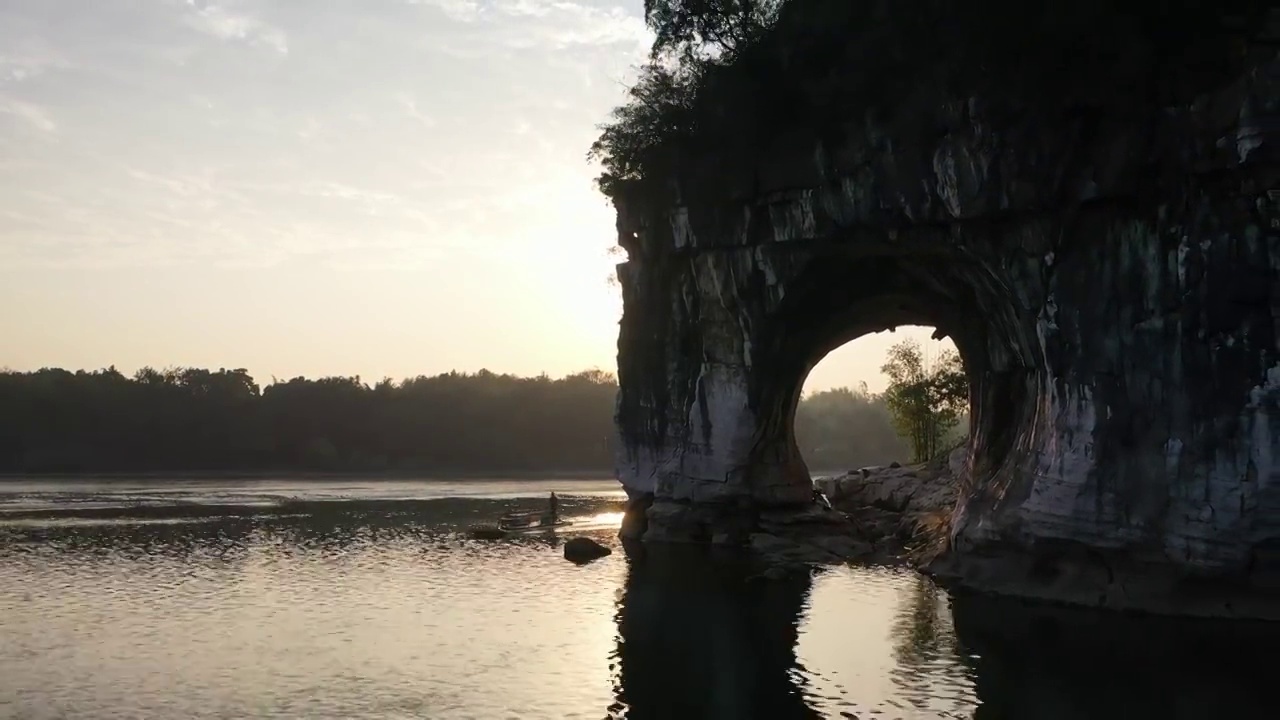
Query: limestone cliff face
{"points": [[1106, 266]]}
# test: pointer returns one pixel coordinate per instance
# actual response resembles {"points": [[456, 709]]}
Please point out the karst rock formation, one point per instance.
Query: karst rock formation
{"points": [[1087, 202]]}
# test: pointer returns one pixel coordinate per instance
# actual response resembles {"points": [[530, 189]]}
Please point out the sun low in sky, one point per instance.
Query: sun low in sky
{"points": [[314, 187]]}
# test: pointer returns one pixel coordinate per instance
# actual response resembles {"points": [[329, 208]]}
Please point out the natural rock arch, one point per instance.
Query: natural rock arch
{"points": [[808, 299], [1108, 263], [846, 292]]}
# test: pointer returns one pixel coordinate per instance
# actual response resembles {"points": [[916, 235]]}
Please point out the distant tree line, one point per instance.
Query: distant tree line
{"points": [[845, 429], [190, 419], [197, 420]]}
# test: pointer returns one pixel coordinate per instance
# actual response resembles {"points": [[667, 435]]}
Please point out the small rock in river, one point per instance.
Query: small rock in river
{"points": [[582, 550]]}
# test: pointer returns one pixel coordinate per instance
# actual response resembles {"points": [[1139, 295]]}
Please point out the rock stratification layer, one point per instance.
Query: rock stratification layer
{"points": [[1105, 258]]}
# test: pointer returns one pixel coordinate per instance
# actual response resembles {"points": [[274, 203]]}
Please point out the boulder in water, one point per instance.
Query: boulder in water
{"points": [[582, 550]]}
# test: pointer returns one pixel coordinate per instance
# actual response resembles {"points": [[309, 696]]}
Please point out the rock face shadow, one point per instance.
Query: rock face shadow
{"points": [[1039, 662], [705, 640]]}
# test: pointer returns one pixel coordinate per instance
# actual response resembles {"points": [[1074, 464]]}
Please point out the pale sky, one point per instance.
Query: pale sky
{"points": [[316, 187]]}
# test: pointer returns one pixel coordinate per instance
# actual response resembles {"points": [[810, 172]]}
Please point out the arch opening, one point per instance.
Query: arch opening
{"points": [[839, 298], [844, 420]]}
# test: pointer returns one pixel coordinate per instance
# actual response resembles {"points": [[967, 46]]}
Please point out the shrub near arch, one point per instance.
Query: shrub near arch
{"points": [[926, 398]]}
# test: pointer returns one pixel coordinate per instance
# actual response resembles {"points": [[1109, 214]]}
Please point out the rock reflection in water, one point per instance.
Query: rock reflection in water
{"points": [[1051, 663], [698, 638]]}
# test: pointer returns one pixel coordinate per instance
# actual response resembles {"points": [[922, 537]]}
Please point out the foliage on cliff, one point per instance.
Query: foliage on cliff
{"points": [[926, 398], [190, 419], [701, 30], [659, 110], [728, 77], [690, 38]]}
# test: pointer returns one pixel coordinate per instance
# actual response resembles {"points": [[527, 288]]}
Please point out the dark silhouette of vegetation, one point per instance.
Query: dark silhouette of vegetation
{"points": [[659, 109], [194, 420], [699, 30], [727, 77], [191, 419], [925, 398], [690, 38]]}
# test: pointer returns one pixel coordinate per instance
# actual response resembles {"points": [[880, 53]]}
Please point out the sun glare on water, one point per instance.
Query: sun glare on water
{"points": [[601, 520]]}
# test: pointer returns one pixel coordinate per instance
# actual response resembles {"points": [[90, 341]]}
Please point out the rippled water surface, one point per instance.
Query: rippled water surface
{"points": [[367, 600]]}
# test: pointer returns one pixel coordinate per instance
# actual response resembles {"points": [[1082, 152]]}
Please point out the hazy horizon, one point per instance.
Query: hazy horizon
{"points": [[319, 187]]}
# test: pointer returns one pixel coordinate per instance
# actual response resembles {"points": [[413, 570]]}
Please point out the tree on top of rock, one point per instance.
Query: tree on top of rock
{"points": [[690, 36], [926, 399], [692, 30], [660, 107]]}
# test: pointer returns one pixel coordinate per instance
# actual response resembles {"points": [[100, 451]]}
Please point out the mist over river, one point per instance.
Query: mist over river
{"points": [[365, 599]]}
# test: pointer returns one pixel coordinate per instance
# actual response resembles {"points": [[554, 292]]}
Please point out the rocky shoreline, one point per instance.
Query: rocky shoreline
{"points": [[893, 514], [902, 514]]}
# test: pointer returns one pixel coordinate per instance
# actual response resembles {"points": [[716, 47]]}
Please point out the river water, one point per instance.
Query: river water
{"points": [[339, 599]]}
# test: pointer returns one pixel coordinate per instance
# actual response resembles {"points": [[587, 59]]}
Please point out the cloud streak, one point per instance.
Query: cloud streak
{"points": [[411, 108], [21, 63], [29, 114], [545, 24], [225, 23]]}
